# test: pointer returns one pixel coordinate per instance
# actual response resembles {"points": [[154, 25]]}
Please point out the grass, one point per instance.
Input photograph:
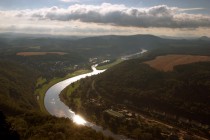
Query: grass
{"points": [[114, 113], [72, 88], [35, 47], [109, 65], [40, 92], [66, 95], [78, 72], [40, 81], [77, 102]]}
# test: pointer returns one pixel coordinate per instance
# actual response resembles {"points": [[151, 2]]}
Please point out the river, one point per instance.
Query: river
{"points": [[57, 108]]}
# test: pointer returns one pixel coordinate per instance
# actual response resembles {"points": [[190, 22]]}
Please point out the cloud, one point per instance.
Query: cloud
{"points": [[161, 16], [70, 1], [192, 9]]}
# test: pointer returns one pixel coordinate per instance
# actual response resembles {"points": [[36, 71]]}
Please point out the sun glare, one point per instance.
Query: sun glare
{"points": [[79, 120]]}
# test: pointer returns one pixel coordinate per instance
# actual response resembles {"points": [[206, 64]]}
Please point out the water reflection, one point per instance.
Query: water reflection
{"points": [[79, 120], [57, 108]]}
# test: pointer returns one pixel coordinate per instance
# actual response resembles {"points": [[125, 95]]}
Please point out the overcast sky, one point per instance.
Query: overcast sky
{"points": [[185, 18]]}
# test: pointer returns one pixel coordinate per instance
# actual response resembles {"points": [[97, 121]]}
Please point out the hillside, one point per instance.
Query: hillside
{"points": [[23, 117], [179, 98], [110, 46], [17, 87], [184, 91]]}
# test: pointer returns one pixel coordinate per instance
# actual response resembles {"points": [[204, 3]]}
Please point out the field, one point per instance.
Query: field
{"points": [[38, 53], [106, 66], [167, 62]]}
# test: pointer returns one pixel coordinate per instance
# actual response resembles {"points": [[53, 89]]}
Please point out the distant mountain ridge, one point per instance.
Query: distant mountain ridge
{"points": [[204, 38], [19, 35], [107, 45]]}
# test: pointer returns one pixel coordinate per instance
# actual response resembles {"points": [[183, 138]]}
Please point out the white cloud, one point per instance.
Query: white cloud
{"points": [[120, 15], [191, 9], [105, 19], [70, 1]]}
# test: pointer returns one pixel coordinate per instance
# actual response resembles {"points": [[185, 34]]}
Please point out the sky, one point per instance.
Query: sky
{"points": [[178, 18]]}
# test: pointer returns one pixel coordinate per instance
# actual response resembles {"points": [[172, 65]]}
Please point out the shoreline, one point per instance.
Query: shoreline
{"points": [[41, 92]]}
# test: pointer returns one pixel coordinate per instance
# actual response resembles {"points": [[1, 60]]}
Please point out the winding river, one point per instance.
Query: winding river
{"points": [[56, 107]]}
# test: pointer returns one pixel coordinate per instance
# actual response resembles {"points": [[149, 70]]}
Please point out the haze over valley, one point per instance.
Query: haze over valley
{"points": [[103, 70]]}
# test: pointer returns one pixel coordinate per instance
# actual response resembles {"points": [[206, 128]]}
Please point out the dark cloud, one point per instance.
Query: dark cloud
{"points": [[120, 15]]}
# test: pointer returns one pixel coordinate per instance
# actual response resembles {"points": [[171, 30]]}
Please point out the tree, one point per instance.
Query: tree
{"points": [[6, 131]]}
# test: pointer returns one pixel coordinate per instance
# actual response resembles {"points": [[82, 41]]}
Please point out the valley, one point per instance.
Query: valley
{"points": [[131, 98], [104, 70]]}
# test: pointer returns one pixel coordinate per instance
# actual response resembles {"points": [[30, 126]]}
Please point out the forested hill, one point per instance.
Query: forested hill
{"points": [[136, 95], [20, 117], [17, 88], [183, 92], [109, 45]]}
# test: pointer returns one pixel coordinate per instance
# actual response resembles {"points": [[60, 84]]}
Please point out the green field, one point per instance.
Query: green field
{"points": [[71, 88], [106, 66], [40, 81], [67, 92]]}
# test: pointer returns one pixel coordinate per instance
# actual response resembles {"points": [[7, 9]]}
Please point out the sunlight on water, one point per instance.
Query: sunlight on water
{"points": [[79, 120]]}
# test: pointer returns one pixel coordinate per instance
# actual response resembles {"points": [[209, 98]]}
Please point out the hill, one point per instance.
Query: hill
{"points": [[181, 93], [23, 117], [148, 87], [110, 46], [17, 87], [204, 38], [179, 98]]}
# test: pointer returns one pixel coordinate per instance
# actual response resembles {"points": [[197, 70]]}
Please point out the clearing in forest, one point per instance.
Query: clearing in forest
{"points": [[39, 53], [167, 62]]}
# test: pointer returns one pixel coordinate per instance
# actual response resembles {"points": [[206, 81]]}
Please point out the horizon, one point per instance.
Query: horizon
{"points": [[87, 36]]}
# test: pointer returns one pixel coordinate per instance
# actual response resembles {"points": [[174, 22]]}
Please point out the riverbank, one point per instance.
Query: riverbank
{"points": [[125, 116], [43, 87], [119, 118], [57, 108], [65, 96], [106, 66]]}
